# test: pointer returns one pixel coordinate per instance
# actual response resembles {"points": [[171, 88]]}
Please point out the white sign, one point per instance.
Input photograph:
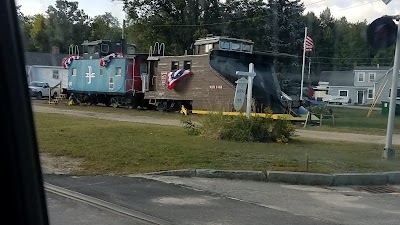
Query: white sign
{"points": [[250, 76], [90, 74], [240, 93]]}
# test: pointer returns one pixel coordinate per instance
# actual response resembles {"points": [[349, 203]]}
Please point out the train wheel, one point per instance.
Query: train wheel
{"points": [[114, 102], [162, 106]]}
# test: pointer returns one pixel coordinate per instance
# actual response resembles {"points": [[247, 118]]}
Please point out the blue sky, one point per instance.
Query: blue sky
{"points": [[354, 10]]}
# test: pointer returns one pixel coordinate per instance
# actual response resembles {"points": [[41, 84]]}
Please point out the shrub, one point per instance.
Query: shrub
{"points": [[190, 127], [240, 128]]}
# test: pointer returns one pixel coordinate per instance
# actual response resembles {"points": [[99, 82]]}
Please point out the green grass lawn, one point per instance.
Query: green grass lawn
{"points": [[123, 111], [356, 121], [346, 120], [126, 148]]}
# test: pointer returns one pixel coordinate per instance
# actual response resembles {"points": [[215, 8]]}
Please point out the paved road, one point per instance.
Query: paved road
{"points": [[63, 211], [172, 122], [177, 204], [219, 201]]}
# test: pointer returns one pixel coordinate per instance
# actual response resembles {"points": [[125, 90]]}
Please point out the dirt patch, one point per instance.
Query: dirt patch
{"points": [[59, 164]]}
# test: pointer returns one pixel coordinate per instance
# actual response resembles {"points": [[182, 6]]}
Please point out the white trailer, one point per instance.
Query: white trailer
{"points": [[52, 75]]}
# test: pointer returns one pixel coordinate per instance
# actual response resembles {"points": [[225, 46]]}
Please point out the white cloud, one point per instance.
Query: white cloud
{"points": [[91, 7], [355, 10]]}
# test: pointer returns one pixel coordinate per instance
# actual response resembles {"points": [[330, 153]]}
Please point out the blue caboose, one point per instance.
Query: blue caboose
{"points": [[107, 72]]}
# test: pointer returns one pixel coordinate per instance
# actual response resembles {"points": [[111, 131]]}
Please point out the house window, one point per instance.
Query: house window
{"points": [[344, 93], [398, 93], [101, 72], [118, 71], [55, 74], [74, 72], [370, 93], [372, 77], [187, 65], [174, 65], [111, 83], [360, 76]]}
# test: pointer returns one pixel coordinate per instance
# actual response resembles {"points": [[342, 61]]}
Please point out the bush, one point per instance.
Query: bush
{"points": [[239, 128]]}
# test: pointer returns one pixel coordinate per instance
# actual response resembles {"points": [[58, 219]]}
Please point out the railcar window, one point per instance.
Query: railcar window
{"points": [[187, 65], [105, 48], [174, 65], [118, 71], [246, 48], [235, 46], [225, 45], [101, 72], [111, 83], [74, 72]]}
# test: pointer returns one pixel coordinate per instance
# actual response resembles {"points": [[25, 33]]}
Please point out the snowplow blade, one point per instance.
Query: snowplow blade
{"points": [[266, 89]]}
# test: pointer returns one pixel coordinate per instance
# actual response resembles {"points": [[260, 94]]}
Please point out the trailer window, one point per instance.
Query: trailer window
{"points": [[174, 65], [111, 83], [74, 72], [55, 74], [118, 71], [187, 65]]}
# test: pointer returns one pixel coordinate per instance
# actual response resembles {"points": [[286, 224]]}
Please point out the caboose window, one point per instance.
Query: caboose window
{"points": [[118, 71], [111, 83], [174, 65], [105, 48], [187, 65], [74, 72]]}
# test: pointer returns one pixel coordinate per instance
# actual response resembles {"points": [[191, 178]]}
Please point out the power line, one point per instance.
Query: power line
{"points": [[355, 6], [313, 3]]}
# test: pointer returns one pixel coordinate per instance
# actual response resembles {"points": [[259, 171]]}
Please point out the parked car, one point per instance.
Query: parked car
{"points": [[40, 89]]}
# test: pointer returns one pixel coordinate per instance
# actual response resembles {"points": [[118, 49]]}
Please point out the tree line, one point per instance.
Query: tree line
{"points": [[274, 26]]}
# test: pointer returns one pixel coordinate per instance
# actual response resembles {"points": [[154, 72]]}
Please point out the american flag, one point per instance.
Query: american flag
{"points": [[309, 44], [173, 77]]}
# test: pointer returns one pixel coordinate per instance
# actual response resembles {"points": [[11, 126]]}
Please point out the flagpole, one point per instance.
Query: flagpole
{"points": [[304, 62]]}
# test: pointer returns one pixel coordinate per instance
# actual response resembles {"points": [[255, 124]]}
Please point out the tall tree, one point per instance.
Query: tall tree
{"points": [[38, 34], [67, 24], [105, 26], [25, 24]]}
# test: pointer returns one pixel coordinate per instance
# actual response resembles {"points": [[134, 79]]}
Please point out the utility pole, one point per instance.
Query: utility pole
{"points": [[309, 69], [388, 152]]}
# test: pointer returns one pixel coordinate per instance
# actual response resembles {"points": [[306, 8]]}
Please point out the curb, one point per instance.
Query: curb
{"points": [[303, 178]]}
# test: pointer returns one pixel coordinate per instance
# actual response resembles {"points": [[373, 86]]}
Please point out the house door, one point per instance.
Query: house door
{"points": [[360, 97]]}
